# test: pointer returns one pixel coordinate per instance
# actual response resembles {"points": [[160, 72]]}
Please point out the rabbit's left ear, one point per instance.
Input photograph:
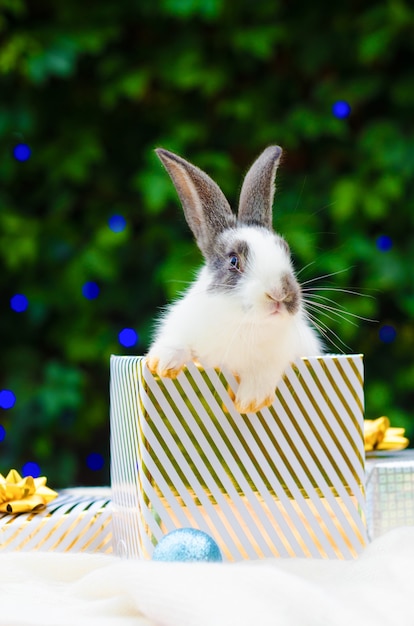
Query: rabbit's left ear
{"points": [[258, 189]]}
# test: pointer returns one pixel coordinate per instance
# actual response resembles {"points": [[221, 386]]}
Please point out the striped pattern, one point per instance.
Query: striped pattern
{"points": [[287, 481], [77, 521]]}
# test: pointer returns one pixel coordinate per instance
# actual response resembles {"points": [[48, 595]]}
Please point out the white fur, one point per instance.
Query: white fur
{"points": [[236, 329]]}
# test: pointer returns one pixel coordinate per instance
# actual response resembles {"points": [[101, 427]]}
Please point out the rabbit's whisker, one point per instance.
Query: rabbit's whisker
{"points": [[339, 289], [203, 291], [305, 267], [326, 332], [342, 313], [312, 280], [339, 307], [337, 315]]}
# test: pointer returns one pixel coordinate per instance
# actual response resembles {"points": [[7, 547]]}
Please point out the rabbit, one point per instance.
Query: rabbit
{"points": [[244, 312]]}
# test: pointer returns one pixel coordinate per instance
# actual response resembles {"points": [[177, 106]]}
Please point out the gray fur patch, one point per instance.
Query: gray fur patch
{"points": [[292, 292], [224, 276]]}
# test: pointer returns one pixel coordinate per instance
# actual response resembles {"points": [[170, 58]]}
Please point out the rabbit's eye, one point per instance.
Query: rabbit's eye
{"points": [[234, 262]]}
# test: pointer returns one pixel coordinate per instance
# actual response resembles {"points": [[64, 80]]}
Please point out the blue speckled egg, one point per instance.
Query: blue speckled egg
{"points": [[187, 544]]}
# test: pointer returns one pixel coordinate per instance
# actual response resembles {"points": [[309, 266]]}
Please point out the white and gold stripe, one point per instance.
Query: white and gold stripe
{"points": [[286, 481], [77, 521]]}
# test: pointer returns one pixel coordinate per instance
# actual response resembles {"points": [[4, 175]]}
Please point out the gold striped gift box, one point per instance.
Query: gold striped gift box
{"points": [[286, 481], [79, 520]]}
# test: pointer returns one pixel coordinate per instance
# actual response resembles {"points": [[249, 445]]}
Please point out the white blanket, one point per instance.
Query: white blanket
{"points": [[53, 589]]}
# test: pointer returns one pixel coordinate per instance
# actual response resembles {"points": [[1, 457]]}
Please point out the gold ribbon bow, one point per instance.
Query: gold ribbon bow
{"points": [[378, 435], [23, 495]]}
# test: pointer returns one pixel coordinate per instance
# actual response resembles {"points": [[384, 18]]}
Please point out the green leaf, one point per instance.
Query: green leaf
{"points": [[346, 198], [375, 45], [186, 8], [19, 240], [157, 190], [57, 59]]}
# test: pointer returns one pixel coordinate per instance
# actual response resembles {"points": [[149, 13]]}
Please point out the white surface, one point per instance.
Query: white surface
{"points": [[54, 589]]}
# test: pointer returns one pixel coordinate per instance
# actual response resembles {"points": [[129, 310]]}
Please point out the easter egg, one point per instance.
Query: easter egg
{"points": [[187, 544]]}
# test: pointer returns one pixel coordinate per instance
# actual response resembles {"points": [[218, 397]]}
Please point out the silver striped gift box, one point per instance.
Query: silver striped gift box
{"points": [[390, 491], [286, 481]]}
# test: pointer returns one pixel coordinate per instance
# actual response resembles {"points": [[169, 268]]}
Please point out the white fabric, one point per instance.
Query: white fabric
{"points": [[55, 589]]}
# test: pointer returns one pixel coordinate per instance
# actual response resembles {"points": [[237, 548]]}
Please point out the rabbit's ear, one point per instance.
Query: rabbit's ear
{"points": [[258, 190], [205, 206]]}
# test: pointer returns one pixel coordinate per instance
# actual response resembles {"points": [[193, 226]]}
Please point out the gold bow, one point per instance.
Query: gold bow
{"points": [[378, 435], [23, 495]]}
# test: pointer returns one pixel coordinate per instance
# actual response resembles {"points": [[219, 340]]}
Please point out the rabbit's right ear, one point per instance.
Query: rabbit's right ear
{"points": [[205, 207]]}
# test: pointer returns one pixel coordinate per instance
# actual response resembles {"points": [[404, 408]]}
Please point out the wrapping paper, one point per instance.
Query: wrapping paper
{"points": [[79, 520], [287, 481], [389, 491]]}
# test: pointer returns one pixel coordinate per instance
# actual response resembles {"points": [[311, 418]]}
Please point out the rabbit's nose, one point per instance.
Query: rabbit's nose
{"points": [[275, 296], [283, 299], [275, 299]]}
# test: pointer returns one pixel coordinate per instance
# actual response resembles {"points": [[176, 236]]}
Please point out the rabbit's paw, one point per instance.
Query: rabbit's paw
{"points": [[167, 362], [251, 400], [253, 406]]}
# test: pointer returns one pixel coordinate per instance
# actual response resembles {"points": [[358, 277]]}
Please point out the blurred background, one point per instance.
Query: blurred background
{"points": [[92, 237]]}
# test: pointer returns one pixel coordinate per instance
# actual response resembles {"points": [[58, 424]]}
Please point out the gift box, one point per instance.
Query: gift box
{"points": [[389, 491], [286, 481], [78, 520]]}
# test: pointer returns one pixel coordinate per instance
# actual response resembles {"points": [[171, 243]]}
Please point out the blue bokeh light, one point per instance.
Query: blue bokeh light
{"points": [[341, 109], [384, 243], [31, 469], [387, 333], [2, 433], [7, 399], [19, 303], [128, 337], [90, 290], [22, 152], [117, 223], [95, 461]]}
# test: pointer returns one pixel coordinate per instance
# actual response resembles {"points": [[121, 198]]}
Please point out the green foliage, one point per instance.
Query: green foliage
{"points": [[93, 88]]}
